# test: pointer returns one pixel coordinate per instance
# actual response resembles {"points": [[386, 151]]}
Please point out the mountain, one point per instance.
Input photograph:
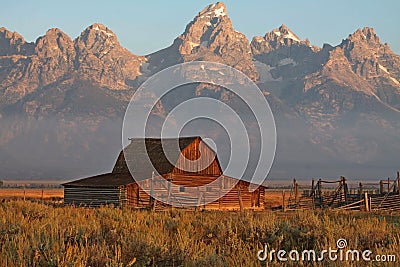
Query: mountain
{"points": [[337, 108], [210, 36], [346, 96]]}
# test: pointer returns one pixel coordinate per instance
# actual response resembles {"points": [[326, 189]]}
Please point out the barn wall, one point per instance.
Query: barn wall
{"points": [[189, 156], [94, 197], [192, 196]]}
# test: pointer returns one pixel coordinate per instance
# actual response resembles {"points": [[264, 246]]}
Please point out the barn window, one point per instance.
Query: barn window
{"points": [[182, 189]]}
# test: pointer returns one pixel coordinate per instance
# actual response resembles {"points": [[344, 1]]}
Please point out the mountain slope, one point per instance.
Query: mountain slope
{"points": [[62, 100]]}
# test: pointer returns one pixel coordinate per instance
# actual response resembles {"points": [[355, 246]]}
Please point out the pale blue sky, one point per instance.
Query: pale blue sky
{"points": [[146, 26]]}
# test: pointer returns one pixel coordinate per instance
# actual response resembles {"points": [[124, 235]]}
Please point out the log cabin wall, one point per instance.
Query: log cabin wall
{"points": [[235, 198], [95, 197]]}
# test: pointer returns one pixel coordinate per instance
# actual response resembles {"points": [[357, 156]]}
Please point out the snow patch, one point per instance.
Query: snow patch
{"points": [[277, 33], [96, 28], [193, 45], [264, 71], [395, 81], [291, 36], [383, 68], [287, 61], [219, 12]]}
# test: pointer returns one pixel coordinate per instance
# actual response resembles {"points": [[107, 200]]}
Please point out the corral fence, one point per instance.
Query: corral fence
{"points": [[339, 195]]}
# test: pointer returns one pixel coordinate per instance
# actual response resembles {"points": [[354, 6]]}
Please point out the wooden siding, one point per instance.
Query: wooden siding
{"points": [[95, 197], [188, 160], [235, 198]]}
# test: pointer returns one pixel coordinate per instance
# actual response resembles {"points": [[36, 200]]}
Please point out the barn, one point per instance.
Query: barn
{"points": [[203, 186]]}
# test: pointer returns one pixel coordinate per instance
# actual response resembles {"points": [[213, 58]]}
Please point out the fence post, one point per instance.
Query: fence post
{"points": [[346, 190], [380, 187], [240, 198], [152, 199], [320, 192], [283, 200], [370, 203], [366, 201], [296, 191], [169, 190], [312, 188], [199, 200], [398, 181], [388, 185]]}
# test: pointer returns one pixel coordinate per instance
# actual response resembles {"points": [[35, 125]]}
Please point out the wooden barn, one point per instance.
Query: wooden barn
{"points": [[204, 185]]}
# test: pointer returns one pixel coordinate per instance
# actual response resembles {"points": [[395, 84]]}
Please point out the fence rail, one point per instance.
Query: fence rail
{"points": [[341, 197]]}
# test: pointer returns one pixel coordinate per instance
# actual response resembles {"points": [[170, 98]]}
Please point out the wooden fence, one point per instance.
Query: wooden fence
{"points": [[384, 195]]}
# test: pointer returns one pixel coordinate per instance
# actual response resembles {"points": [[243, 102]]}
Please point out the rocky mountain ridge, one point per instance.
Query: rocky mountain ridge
{"points": [[65, 98]]}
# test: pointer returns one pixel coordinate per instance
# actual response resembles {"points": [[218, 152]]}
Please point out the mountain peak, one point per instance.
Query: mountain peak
{"points": [[366, 34], [6, 34], [54, 43], [96, 38], [214, 10], [101, 30], [210, 36], [283, 32], [279, 37], [12, 43]]}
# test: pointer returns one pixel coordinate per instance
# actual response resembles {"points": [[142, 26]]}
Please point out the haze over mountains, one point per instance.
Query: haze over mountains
{"points": [[337, 108]]}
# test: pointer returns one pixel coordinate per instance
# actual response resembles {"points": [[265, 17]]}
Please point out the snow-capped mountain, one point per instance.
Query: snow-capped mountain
{"points": [[336, 107]]}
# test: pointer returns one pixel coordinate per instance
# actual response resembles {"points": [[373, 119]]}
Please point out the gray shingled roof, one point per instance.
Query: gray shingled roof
{"points": [[140, 167], [107, 180], [155, 149]]}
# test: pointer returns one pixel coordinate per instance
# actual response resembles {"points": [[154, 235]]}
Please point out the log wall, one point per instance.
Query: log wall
{"points": [[188, 194], [95, 197]]}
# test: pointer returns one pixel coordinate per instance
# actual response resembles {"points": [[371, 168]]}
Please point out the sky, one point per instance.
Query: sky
{"points": [[147, 26]]}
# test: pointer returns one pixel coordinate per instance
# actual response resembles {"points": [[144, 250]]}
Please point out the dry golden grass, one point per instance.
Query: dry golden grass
{"points": [[273, 198], [31, 193], [34, 234]]}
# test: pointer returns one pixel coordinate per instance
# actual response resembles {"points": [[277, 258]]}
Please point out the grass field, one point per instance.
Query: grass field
{"points": [[34, 234], [31, 193]]}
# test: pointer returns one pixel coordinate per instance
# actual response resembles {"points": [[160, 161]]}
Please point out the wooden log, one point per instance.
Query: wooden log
{"points": [[366, 200]]}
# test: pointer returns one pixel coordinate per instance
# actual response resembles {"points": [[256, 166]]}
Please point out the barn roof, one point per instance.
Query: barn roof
{"points": [[155, 149], [106, 180]]}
